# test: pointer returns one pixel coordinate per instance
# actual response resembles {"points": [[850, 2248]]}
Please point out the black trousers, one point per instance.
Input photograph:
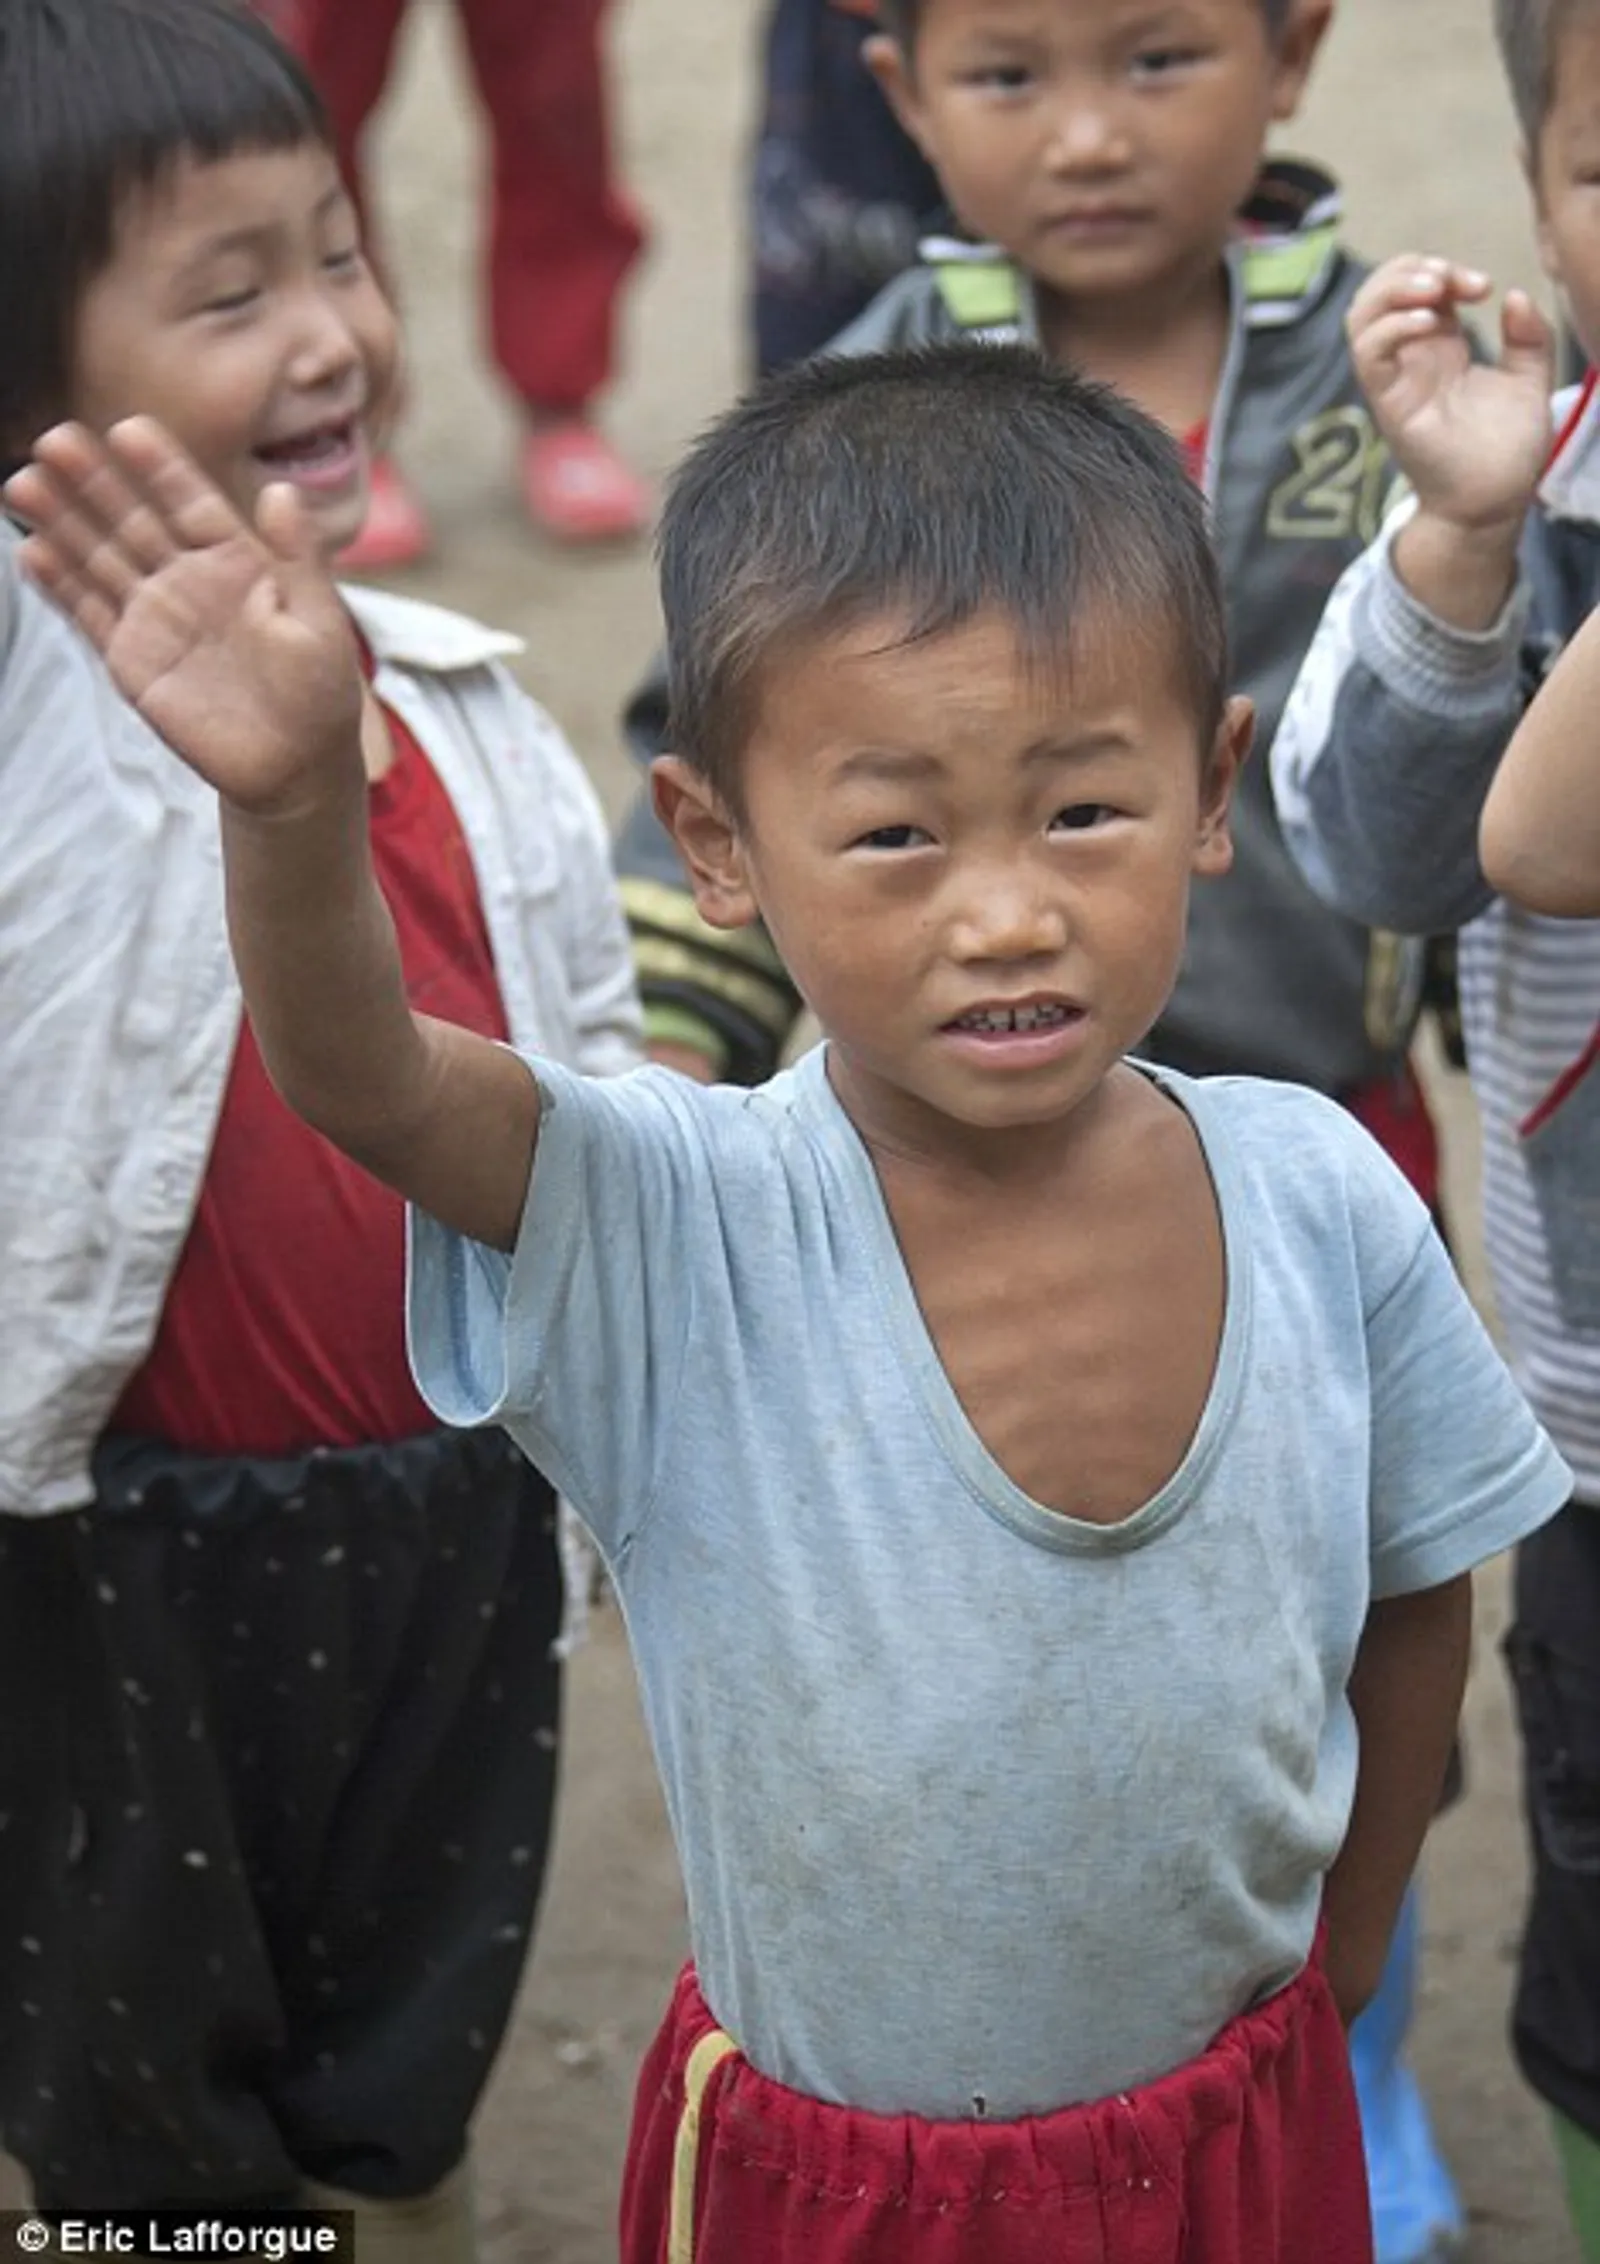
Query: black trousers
{"points": [[1553, 1651], [277, 1763]]}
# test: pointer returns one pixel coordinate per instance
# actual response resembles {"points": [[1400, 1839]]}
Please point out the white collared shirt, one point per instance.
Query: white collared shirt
{"points": [[119, 1007]]}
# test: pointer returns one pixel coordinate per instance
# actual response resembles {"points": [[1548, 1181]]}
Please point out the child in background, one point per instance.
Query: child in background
{"points": [[561, 238], [1042, 1489], [1106, 160], [1416, 683], [1232, 334], [278, 1703]]}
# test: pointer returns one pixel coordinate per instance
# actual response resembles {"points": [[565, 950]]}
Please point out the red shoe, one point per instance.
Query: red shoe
{"points": [[395, 532], [576, 487]]}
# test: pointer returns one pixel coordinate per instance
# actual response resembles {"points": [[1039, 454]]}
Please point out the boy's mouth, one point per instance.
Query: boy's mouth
{"points": [[323, 455], [1095, 220], [1032, 1014]]}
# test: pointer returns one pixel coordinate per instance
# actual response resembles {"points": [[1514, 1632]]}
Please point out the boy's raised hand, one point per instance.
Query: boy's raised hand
{"points": [[231, 642], [1471, 437], [229, 639]]}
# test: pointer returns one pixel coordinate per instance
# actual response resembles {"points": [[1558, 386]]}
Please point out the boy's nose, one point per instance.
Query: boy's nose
{"points": [[1087, 134], [1008, 920], [325, 345]]}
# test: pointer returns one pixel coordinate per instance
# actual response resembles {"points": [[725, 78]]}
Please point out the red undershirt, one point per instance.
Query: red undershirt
{"points": [[284, 1323]]}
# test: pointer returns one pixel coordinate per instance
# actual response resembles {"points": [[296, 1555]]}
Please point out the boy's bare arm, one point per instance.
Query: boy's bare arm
{"points": [[1539, 838], [231, 642], [1471, 438], [1406, 1690]]}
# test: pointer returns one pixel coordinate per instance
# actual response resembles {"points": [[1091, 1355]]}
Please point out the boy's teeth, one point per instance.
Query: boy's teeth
{"points": [[310, 450], [1014, 1017]]}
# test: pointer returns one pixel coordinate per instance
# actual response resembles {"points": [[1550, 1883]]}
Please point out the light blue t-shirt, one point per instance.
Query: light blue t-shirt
{"points": [[981, 1809]]}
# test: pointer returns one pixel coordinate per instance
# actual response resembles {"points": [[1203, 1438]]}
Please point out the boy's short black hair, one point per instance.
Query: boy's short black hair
{"points": [[899, 18], [98, 97], [1528, 32], [928, 485]]}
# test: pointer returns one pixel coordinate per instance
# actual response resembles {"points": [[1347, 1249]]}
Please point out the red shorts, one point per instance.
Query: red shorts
{"points": [[1249, 2155]]}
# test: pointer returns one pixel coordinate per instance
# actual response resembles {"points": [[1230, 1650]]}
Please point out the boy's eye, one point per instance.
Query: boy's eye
{"points": [[1082, 817], [1164, 62], [342, 261], [232, 302], [893, 837], [1002, 78]]}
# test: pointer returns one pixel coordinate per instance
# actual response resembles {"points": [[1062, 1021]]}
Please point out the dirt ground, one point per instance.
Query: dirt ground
{"points": [[1409, 107]]}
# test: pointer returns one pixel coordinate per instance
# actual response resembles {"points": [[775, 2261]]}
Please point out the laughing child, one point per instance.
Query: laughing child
{"points": [[278, 1704]]}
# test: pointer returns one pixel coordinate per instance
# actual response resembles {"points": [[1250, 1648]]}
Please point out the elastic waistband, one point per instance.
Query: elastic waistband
{"points": [[1133, 2137], [146, 1477]]}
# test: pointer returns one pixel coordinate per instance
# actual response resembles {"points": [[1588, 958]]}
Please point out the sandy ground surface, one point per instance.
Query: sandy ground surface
{"points": [[1409, 107]]}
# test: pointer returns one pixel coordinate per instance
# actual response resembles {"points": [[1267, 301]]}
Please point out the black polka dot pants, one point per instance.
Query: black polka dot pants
{"points": [[277, 1762]]}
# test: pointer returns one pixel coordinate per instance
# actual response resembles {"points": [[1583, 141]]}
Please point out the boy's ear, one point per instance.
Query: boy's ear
{"points": [[1230, 751], [889, 64], [1299, 43], [708, 842]]}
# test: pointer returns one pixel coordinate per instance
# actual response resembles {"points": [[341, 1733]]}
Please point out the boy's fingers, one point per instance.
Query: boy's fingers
{"points": [[1412, 282], [1526, 337], [1402, 283], [29, 495], [105, 497], [196, 511], [73, 485], [1383, 342], [80, 542], [77, 463], [67, 590], [284, 525]]}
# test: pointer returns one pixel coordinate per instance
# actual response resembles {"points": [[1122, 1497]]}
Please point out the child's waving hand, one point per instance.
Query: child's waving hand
{"points": [[1470, 436], [232, 644], [230, 640]]}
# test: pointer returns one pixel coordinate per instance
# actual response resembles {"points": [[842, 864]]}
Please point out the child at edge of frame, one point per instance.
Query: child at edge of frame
{"points": [[1049, 1576], [1422, 718], [279, 1675]]}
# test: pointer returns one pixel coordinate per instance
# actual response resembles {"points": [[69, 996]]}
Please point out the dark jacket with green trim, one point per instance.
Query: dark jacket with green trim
{"points": [[1273, 983]]}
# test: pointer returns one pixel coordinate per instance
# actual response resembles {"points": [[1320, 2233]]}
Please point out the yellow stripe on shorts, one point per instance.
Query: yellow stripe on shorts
{"points": [[707, 2056]]}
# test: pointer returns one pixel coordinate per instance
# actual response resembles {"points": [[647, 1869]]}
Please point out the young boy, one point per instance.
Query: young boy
{"points": [[1429, 653], [278, 1704], [1098, 154], [1042, 1489], [1105, 161]]}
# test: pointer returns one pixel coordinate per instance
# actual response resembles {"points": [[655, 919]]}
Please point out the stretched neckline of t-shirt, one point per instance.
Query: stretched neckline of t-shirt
{"points": [[981, 1475]]}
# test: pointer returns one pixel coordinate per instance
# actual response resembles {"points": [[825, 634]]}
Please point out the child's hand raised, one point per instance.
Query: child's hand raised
{"points": [[1471, 437], [229, 639]]}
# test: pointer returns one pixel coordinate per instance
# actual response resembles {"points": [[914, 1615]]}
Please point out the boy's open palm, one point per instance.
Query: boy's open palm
{"points": [[229, 639], [1471, 437]]}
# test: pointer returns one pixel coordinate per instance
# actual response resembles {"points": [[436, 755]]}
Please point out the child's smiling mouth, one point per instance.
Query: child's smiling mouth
{"points": [[327, 454]]}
